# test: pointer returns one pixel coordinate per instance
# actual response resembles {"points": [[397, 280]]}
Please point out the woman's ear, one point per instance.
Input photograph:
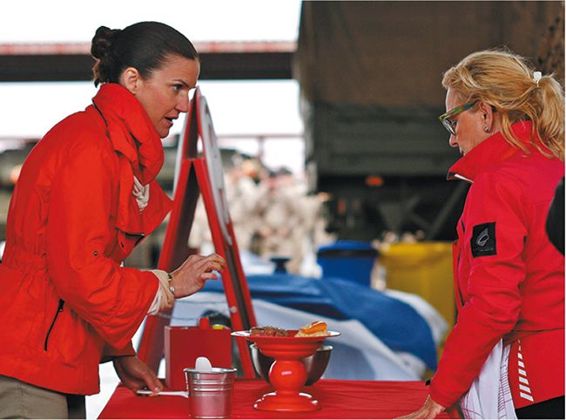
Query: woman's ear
{"points": [[487, 118], [131, 79]]}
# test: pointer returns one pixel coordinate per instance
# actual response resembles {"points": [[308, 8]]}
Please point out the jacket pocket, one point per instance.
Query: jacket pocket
{"points": [[59, 310]]}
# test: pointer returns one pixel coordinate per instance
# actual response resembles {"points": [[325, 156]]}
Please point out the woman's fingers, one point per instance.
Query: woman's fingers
{"points": [[151, 382], [195, 271], [215, 259], [209, 276], [429, 410], [212, 262], [213, 267], [197, 261]]}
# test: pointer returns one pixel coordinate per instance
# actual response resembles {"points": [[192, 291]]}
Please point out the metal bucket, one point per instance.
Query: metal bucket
{"points": [[210, 393]]}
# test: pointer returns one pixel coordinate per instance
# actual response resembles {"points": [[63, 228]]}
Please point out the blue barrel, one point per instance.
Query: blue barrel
{"points": [[349, 260]]}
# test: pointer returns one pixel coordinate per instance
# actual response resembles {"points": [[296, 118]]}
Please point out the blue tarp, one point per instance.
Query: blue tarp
{"points": [[395, 323]]}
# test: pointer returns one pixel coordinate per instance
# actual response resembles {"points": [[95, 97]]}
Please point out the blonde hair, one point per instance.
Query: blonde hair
{"points": [[505, 81]]}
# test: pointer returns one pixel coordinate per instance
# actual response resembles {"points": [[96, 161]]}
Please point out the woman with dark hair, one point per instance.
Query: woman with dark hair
{"points": [[86, 196], [505, 356]]}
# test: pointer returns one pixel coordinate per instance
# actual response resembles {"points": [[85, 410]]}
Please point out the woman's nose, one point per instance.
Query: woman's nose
{"points": [[452, 141], [183, 103]]}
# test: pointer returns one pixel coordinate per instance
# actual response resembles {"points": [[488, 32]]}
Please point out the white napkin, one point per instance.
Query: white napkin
{"points": [[202, 364], [489, 396]]}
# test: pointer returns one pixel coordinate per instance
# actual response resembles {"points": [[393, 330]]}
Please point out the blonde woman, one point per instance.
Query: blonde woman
{"points": [[505, 356]]}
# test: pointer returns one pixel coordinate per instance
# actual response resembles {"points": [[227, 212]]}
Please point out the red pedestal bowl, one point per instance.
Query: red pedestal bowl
{"points": [[287, 374]]}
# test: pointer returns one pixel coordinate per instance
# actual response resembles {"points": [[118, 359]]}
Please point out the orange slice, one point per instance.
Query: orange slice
{"points": [[316, 328]]}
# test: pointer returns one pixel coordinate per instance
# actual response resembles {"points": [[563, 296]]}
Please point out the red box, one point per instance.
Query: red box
{"points": [[184, 344]]}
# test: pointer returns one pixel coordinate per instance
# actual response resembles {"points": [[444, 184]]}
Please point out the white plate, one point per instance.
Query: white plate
{"points": [[247, 334]]}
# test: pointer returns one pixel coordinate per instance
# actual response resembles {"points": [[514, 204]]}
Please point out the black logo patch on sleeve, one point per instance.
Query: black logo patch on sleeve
{"points": [[483, 240]]}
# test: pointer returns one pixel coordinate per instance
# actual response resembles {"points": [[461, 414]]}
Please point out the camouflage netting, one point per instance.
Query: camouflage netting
{"points": [[392, 54], [551, 52]]}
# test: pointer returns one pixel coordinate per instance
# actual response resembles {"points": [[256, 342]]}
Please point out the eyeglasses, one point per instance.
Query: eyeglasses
{"points": [[446, 118]]}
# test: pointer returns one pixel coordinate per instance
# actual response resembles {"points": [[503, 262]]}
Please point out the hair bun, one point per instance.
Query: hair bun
{"points": [[102, 41]]}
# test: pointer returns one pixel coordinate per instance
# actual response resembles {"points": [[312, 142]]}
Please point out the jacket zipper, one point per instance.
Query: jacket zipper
{"points": [[59, 310]]}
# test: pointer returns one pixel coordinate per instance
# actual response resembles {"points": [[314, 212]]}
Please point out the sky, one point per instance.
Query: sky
{"points": [[199, 20], [29, 109]]}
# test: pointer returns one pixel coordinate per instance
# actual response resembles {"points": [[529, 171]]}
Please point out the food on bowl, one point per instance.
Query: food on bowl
{"points": [[269, 332], [314, 329]]}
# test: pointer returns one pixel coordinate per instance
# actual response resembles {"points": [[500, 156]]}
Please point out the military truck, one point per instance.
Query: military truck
{"points": [[370, 82]]}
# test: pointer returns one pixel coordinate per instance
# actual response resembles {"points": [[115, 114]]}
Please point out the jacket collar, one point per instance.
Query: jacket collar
{"points": [[130, 130], [491, 151]]}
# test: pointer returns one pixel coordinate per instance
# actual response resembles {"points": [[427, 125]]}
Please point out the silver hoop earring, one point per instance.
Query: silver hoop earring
{"points": [[486, 129]]}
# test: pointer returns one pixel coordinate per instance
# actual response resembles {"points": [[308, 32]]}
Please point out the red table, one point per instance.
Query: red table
{"points": [[338, 399]]}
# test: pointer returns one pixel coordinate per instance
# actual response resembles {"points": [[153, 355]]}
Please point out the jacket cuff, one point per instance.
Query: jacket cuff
{"points": [[164, 297], [439, 397]]}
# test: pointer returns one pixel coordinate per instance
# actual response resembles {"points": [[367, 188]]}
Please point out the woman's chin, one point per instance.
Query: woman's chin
{"points": [[163, 132]]}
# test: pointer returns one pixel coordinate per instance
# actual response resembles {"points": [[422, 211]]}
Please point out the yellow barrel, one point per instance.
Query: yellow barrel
{"points": [[422, 268]]}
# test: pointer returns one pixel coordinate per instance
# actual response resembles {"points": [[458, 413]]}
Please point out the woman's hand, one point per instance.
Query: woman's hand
{"points": [[194, 272], [429, 410], [135, 374]]}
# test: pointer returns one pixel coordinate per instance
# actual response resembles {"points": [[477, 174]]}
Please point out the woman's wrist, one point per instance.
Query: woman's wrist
{"points": [[170, 285], [165, 298]]}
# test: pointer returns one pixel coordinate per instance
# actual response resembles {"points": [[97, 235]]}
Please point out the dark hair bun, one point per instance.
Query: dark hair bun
{"points": [[143, 46], [102, 42]]}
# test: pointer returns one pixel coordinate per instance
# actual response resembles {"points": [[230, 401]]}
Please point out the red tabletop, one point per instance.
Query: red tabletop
{"points": [[338, 399]]}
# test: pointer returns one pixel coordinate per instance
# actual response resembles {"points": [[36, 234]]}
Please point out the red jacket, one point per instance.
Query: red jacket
{"points": [[72, 220], [509, 278]]}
